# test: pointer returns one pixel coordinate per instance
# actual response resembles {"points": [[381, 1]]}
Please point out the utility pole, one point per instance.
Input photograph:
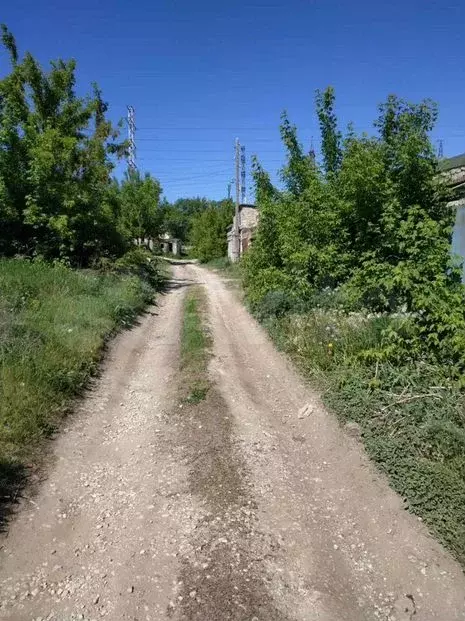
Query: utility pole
{"points": [[131, 140], [229, 191], [237, 244], [243, 188]]}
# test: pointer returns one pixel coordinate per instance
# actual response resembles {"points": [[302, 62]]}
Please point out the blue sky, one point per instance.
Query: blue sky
{"points": [[201, 73]]}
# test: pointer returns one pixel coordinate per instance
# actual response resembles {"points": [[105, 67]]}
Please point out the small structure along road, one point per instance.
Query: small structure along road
{"points": [[240, 236]]}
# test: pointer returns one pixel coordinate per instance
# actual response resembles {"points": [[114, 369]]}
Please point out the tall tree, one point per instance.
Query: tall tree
{"points": [[209, 230], [56, 156], [330, 135], [141, 213]]}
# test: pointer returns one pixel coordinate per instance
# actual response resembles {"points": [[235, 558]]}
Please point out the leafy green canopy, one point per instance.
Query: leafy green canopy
{"points": [[373, 221], [178, 216], [208, 233], [57, 153]]}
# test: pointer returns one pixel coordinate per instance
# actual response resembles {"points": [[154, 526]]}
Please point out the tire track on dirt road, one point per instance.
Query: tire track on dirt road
{"points": [[348, 550], [240, 508], [100, 538]]}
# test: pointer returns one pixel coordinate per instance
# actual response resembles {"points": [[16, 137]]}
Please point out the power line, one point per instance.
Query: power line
{"points": [[205, 175], [206, 151], [203, 139], [196, 159], [217, 128]]}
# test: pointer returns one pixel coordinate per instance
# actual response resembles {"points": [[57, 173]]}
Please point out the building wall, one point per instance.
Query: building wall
{"points": [[248, 217], [246, 239], [458, 236], [231, 256], [248, 221], [455, 177]]}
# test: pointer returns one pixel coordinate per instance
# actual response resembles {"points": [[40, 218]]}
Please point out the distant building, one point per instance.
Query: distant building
{"points": [[248, 222], [453, 171], [170, 245]]}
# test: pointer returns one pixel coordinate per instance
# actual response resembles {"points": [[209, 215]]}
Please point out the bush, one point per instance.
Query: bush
{"points": [[411, 413], [140, 262], [208, 234], [220, 263], [260, 284], [273, 304], [373, 225]]}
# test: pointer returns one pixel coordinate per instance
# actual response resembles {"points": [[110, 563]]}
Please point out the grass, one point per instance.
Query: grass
{"points": [[411, 416], [54, 323], [195, 347], [224, 265], [220, 263]]}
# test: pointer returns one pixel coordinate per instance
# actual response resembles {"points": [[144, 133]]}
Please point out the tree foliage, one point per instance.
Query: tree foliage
{"points": [[57, 154], [209, 230], [141, 214], [178, 216], [373, 221], [330, 135]]}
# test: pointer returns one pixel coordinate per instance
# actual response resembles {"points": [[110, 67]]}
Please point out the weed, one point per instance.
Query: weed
{"points": [[198, 393], [411, 414], [195, 345], [219, 264]]}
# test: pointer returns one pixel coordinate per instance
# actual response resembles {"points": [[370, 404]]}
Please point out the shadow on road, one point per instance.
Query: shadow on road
{"points": [[13, 478]]}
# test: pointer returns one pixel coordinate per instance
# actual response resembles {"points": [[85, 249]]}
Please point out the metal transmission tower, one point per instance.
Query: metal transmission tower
{"points": [[311, 153], [440, 149], [243, 188], [131, 139]]}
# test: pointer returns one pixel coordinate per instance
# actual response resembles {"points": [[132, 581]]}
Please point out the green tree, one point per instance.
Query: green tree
{"points": [[141, 214], [192, 206], [299, 170], [56, 156], [375, 221], [209, 231], [176, 222], [330, 135]]}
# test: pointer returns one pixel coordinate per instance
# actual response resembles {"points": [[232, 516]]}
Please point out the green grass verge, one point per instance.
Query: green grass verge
{"points": [[411, 416], [195, 347], [54, 322], [225, 267]]}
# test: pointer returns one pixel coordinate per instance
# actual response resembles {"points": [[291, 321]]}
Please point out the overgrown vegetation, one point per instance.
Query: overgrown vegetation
{"points": [[351, 270], [195, 344], [57, 153], [54, 322]]}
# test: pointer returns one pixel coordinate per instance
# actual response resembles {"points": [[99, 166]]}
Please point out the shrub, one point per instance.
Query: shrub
{"points": [[273, 304], [140, 262]]}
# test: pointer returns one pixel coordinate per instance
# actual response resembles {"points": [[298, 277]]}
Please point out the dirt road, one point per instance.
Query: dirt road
{"points": [[256, 508]]}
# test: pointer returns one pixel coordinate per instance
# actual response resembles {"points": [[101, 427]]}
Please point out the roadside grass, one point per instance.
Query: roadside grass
{"points": [[54, 323], [411, 416], [220, 263], [224, 265], [195, 347], [164, 270]]}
